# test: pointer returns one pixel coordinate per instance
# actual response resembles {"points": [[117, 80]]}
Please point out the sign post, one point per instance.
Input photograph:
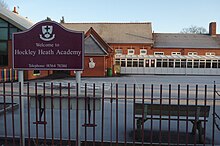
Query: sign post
{"points": [[48, 46]]}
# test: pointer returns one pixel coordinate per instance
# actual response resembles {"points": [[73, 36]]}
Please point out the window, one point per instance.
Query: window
{"points": [[147, 63], [218, 63], [143, 52], [129, 62], [202, 64], [6, 31], [177, 63], [3, 53], [11, 31], [36, 73], [189, 64], [158, 53], [208, 64], [210, 53], [183, 63], [118, 51], [171, 62], [196, 64], [123, 63], [176, 53], [192, 53], [159, 62], [135, 63], [164, 62], [214, 63], [152, 63], [141, 62], [130, 51]]}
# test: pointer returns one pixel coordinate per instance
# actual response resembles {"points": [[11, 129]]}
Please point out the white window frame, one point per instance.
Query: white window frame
{"points": [[158, 53], [117, 51], [210, 53], [192, 53], [176, 53], [143, 53], [130, 50]]}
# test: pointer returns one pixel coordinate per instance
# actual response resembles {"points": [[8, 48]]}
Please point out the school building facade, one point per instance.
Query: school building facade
{"points": [[123, 48]]}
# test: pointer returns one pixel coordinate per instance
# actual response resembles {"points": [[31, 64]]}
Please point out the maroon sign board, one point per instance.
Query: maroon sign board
{"points": [[48, 46]]}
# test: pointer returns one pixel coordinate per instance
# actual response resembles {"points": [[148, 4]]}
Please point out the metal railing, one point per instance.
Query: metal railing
{"points": [[108, 114]]}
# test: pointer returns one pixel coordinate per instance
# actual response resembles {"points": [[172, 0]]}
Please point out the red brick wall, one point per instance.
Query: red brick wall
{"points": [[100, 66], [136, 47], [168, 51], [28, 75]]}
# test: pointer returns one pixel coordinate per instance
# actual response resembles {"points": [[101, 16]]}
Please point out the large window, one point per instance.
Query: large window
{"points": [[177, 63], [152, 63], [141, 62], [123, 63], [129, 62], [3, 30], [159, 62], [171, 63], [189, 64], [218, 63], [3, 53], [6, 31], [214, 63], [135, 62], [196, 64], [183, 63], [165, 62], [208, 64]]}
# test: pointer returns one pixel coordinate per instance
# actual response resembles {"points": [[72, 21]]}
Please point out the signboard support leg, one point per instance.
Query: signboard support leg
{"points": [[21, 80], [78, 81]]}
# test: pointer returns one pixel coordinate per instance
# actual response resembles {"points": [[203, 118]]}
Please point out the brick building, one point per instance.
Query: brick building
{"points": [[123, 48]]}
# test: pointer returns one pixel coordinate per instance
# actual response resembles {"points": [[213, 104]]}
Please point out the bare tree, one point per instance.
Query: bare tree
{"points": [[194, 30], [3, 4]]}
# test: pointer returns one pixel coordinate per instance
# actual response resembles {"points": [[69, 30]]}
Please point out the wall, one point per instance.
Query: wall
{"points": [[28, 75], [184, 51], [99, 69], [136, 47]]}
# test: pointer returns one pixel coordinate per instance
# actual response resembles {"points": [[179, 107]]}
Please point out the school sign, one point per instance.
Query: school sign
{"points": [[48, 46]]}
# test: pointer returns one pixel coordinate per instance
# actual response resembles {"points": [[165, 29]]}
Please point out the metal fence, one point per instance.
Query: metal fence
{"points": [[108, 114]]}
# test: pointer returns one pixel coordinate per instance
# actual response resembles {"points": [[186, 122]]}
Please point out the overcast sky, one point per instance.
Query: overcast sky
{"points": [[165, 15]]}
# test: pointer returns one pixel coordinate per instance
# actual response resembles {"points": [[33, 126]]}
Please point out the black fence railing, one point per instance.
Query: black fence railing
{"points": [[108, 114]]}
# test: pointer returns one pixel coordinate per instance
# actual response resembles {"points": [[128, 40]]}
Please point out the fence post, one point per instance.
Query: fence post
{"points": [[78, 82], [213, 114], [21, 81]]}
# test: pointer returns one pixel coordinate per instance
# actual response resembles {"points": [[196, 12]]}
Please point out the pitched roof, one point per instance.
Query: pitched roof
{"points": [[92, 33], [117, 32], [178, 40], [15, 19], [92, 47]]}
